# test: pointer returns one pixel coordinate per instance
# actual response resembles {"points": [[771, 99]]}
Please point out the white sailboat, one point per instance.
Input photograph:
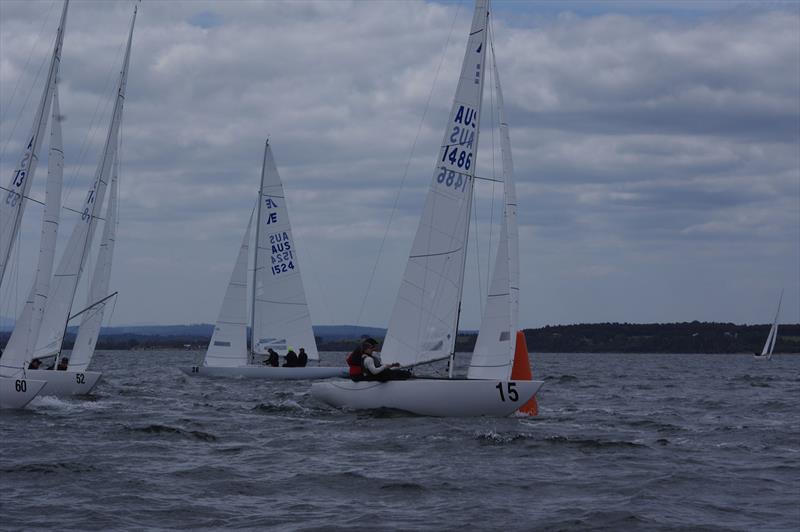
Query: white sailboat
{"points": [[280, 319], [17, 388], [72, 264], [769, 345], [424, 320]]}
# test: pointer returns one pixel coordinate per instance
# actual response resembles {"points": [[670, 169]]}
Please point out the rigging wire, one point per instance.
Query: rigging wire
{"points": [[19, 79], [408, 164]]}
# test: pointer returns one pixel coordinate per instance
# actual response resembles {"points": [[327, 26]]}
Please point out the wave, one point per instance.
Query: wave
{"points": [[49, 467], [173, 431]]}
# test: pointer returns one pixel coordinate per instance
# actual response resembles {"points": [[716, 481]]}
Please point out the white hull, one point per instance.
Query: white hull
{"points": [[267, 373], [762, 357], [430, 397], [17, 392], [65, 383]]}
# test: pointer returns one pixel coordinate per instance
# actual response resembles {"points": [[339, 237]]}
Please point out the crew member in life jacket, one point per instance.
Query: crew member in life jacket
{"points": [[365, 364]]}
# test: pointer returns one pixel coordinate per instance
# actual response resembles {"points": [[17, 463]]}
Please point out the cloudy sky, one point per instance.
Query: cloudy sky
{"points": [[657, 149]]}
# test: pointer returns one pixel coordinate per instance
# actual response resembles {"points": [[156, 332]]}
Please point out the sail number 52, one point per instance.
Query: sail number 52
{"points": [[510, 391]]}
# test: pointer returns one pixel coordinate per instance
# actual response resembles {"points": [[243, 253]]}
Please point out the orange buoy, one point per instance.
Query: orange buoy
{"points": [[521, 371]]}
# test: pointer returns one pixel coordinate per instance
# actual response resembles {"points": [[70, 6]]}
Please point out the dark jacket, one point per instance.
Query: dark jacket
{"points": [[291, 360]]}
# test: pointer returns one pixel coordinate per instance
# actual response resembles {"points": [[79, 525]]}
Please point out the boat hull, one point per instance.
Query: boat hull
{"points": [[16, 393], [430, 397], [267, 373], [65, 383], [762, 357]]}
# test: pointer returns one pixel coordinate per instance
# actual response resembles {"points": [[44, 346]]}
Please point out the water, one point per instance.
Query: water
{"points": [[622, 442]]}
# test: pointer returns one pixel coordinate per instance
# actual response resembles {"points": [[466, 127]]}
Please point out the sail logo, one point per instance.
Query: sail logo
{"points": [[272, 218], [270, 203], [466, 116], [281, 256]]}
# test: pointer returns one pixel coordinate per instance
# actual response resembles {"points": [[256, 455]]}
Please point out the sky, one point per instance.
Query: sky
{"points": [[656, 149]]}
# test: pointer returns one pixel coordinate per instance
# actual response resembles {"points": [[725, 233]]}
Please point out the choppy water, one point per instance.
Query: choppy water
{"points": [[672, 442]]}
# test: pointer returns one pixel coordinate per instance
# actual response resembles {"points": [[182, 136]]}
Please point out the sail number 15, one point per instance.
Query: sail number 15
{"points": [[510, 390]]}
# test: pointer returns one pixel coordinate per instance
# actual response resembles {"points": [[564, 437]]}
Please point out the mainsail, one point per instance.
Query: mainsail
{"points": [[281, 319], [86, 341], [423, 324], [71, 265], [15, 197], [23, 338], [228, 347], [494, 349]]}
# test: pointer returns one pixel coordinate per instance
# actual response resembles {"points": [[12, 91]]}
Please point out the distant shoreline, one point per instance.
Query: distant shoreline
{"points": [[678, 338]]}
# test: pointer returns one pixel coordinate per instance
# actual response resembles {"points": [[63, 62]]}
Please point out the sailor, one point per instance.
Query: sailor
{"points": [[291, 359], [62, 364], [354, 359], [273, 359], [302, 358], [35, 363]]}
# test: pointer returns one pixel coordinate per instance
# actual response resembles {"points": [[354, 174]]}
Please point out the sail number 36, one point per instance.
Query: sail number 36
{"points": [[510, 391]]}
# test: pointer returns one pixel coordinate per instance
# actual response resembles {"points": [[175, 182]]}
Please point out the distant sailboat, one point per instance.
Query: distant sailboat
{"points": [[769, 345], [424, 321], [17, 388], [280, 319]]}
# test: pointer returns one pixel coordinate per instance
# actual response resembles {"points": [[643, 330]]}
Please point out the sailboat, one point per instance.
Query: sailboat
{"points": [[17, 388], [769, 345], [279, 316], [424, 321], [68, 380]]}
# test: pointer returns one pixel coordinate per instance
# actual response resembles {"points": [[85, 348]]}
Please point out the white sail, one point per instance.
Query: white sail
{"points": [[228, 346], [769, 345], [92, 320], [14, 198], [423, 324], [493, 356], [23, 339], [71, 265], [280, 312]]}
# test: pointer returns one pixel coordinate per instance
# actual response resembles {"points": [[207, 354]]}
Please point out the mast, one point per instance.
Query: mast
{"points": [[12, 206], [255, 253], [471, 188]]}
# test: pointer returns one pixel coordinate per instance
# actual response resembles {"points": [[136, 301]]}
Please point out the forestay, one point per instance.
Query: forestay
{"points": [[86, 341], [71, 265], [281, 318], [423, 324], [15, 197], [228, 347], [493, 356], [23, 339]]}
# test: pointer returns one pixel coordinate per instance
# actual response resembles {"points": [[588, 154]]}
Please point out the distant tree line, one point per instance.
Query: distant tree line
{"points": [[686, 337]]}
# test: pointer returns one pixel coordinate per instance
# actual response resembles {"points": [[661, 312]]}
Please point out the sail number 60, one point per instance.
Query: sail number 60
{"points": [[510, 390]]}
